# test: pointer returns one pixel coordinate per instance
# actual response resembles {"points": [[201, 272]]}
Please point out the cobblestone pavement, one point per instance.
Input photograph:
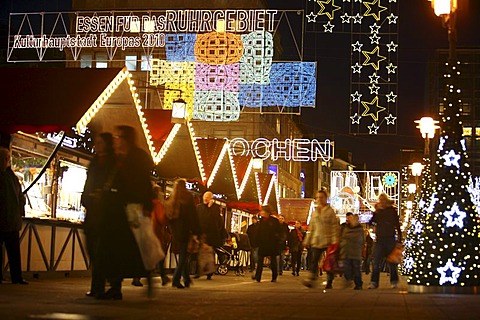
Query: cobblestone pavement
{"points": [[231, 297]]}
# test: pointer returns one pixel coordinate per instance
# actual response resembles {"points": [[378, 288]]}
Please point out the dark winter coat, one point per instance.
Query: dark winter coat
{"points": [[186, 223], [284, 230], [12, 202], [387, 223], [252, 235], [211, 224], [119, 255], [352, 242], [295, 240], [269, 237], [95, 184]]}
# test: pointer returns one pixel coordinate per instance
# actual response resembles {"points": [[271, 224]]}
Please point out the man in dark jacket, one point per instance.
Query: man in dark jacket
{"points": [[388, 234], [268, 237], [211, 223], [12, 208]]}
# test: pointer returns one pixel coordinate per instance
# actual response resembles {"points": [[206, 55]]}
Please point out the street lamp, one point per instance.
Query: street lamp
{"points": [[427, 128], [416, 168]]}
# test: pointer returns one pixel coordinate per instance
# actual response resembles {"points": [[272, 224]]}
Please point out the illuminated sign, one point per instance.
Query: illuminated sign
{"points": [[220, 62], [114, 29], [290, 149]]}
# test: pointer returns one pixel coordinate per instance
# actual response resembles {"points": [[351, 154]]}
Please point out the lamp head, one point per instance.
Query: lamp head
{"points": [[427, 127], [444, 7]]}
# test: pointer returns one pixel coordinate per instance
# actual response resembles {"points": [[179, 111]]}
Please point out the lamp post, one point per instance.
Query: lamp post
{"points": [[427, 128]]}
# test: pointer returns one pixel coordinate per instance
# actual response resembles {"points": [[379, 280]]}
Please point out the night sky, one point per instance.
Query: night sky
{"points": [[420, 34]]}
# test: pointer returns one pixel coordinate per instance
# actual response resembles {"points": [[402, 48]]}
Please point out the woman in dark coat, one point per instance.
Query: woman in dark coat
{"points": [[269, 241], [97, 175], [130, 184], [183, 221]]}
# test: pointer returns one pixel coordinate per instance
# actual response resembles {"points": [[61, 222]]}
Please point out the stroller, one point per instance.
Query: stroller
{"points": [[229, 254]]}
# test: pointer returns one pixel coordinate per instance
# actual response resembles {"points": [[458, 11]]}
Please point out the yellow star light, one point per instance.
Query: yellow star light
{"points": [[374, 64], [373, 104], [376, 15], [329, 14]]}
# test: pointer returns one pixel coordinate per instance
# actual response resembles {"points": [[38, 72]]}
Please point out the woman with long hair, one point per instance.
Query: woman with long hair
{"points": [[92, 197], [183, 221]]}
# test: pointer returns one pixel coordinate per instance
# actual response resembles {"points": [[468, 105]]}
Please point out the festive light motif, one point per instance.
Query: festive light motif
{"points": [[230, 72], [217, 77], [374, 44], [451, 159], [449, 273], [447, 250], [389, 180], [218, 48], [455, 216], [357, 191], [292, 84], [372, 105], [180, 46], [216, 106], [256, 61]]}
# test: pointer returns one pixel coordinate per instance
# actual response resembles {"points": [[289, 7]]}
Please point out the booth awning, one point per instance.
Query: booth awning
{"points": [[49, 99]]}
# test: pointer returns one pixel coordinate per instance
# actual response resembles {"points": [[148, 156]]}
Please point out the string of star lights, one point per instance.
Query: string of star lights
{"points": [[449, 242], [373, 26]]}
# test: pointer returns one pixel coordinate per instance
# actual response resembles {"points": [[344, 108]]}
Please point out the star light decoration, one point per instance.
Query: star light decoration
{"points": [[451, 159], [373, 25], [449, 273], [455, 216]]}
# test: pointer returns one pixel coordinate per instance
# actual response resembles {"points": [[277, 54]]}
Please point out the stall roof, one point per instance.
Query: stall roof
{"points": [[49, 99], [296, 209]]}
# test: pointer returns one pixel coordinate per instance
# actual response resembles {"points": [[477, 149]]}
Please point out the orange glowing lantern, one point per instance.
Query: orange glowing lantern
{"points": [[218, 48]]}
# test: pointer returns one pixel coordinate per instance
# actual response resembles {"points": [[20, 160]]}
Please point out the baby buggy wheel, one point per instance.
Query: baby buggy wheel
{"points": [[222, 269]]}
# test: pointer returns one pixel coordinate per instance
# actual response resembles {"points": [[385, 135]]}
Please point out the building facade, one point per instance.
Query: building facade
{"points": [[470, 86]]}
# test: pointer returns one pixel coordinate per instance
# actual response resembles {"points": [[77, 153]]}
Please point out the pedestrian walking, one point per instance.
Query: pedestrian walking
{"points": [[99, 169], [128, 184], [211, 224], [284, 230], [268, 237], [323, 232], [184, 225], [12, 209], [295, 245], [351, 249], [387, 236], [161, 229]]}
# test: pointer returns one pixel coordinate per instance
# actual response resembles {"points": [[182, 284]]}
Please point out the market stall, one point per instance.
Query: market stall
{"points": [[45, 115]]}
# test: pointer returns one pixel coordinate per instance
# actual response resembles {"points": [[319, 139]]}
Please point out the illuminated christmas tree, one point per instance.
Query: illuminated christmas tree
{"points": [[447, 253]]}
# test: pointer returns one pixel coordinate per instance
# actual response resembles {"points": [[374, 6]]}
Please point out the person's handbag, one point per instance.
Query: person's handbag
{"points": [[331, 263], [142, 229], [206, 259], [193, 244], [396, 255]]}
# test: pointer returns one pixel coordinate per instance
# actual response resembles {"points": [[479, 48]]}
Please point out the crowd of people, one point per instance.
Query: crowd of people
{"points": [[119, 178]]}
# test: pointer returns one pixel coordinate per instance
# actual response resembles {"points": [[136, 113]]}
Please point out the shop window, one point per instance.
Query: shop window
{"points": [[40, 197], [86, 61], [467, 131], [146, 63], [131, 62], [101, 61]]}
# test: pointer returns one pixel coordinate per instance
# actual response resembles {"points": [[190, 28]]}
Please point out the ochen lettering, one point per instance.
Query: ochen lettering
{"points": [[289, 149]]}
